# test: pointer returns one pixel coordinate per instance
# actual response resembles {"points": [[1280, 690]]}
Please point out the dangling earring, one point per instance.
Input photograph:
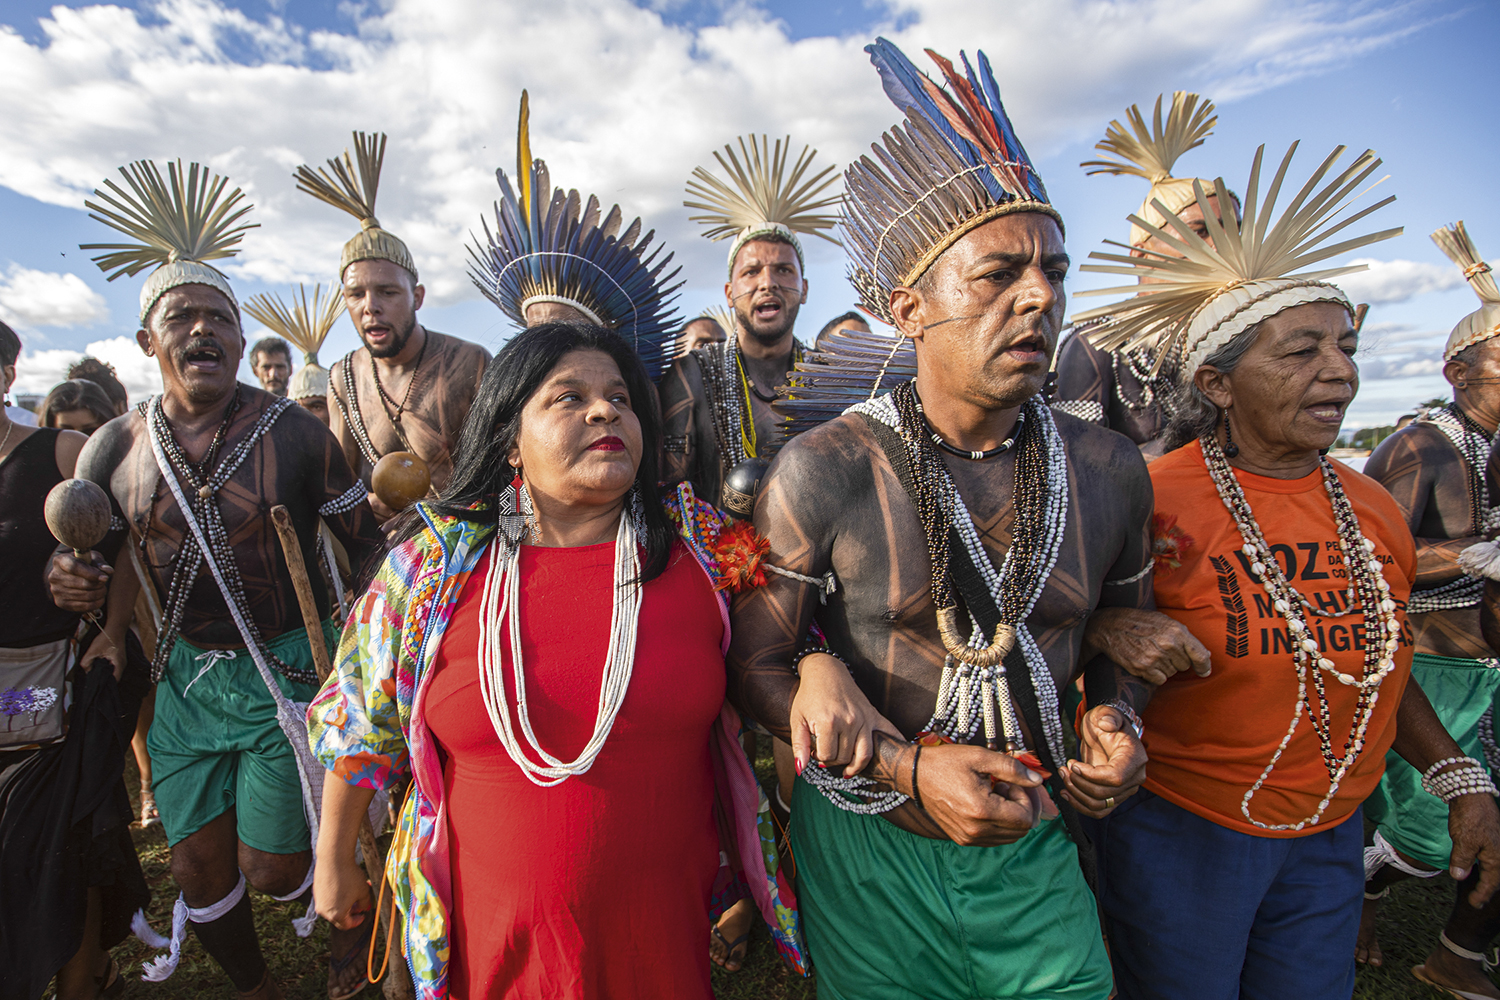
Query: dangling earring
{"points": [[638, 515], [1231, 450], [517, 515]]}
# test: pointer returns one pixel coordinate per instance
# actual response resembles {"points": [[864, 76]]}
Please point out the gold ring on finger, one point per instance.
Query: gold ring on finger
{"points": [[1109, 803]]}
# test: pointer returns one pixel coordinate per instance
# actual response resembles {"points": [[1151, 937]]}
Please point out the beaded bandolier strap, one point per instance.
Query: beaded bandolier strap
{"points": [[353, 419], [725, 380], [1473, 445], [204, 485]]}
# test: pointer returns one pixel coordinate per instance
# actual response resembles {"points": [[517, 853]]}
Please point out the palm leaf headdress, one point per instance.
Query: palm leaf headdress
{"points": [[763, 196], [548, 245], [176, 225], [1483, 323], [1248, 270], [351, 184], [306, 324], [1151, 153]]}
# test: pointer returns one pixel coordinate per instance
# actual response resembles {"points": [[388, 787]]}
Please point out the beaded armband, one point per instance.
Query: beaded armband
{"points": [[809, 650], [675, 444], [344, 502]]}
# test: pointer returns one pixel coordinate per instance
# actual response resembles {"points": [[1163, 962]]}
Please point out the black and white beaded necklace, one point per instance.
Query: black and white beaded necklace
{"points": [[204, 486]]}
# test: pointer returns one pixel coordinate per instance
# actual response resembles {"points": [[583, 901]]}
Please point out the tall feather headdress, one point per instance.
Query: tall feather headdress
{"points": [[548, 246], [762, 197], [352, 186], [1151, 154], [178, 224], [1248, 270], [952, 166], [1484, 322], [306, 324]]}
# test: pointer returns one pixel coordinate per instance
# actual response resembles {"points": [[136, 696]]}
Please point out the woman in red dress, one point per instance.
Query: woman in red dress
{"points": [[567, 755]]}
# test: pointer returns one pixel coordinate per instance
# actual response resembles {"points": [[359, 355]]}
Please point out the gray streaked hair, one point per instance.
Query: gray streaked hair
{"points": [[1196, 415]]}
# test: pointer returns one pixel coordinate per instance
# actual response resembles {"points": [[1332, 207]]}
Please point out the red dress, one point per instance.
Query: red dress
{"points": [[598, 887]]}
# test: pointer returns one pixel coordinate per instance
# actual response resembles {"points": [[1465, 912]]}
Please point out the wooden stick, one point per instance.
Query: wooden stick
{"points": [[282, 519], [302, 584]]}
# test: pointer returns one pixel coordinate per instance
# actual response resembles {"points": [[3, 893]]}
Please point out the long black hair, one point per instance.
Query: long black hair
{"points": [[481, 465]]}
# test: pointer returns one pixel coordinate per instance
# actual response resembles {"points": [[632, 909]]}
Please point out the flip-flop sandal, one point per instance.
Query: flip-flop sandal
{"points": [[358, 953], [1420, 971], [743, 941]]}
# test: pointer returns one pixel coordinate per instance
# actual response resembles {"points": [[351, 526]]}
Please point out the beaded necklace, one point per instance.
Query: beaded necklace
{"points": [[386, 402], [353, 418], [1155, 388], [203, 507], [729, 391], [502, 594], [1473, 445], [974, 688], [1367, 591]]}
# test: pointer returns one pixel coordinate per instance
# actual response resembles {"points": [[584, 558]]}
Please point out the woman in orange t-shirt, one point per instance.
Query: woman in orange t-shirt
{"points": [[1238, 871]]}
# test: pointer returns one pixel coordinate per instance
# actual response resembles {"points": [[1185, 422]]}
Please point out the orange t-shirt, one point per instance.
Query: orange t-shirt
{"points": [[1209, 738]]}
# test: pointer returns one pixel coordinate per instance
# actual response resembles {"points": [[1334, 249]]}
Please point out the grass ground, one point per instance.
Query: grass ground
{"points": [[1410, 920]]}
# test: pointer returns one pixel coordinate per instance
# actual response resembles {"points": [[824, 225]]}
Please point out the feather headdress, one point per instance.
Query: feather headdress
{"points": [[952, 166], [852, 367], [305, 324], [1484, 322], [352, 187], [178, 224], [762, 197], [1247, 271], [1151, 154], [547, 246]]}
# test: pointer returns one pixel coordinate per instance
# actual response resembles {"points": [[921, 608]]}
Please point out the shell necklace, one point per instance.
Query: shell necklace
{"points": [[1367, 591], [502, 593]]}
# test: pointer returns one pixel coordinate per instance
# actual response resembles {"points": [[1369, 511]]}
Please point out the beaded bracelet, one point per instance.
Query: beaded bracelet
{"points": [[807, 651], [1464, 781], [1427, 774]]}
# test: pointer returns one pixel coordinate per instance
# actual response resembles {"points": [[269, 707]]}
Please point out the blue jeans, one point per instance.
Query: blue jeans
{"points": [[1196, 911]]}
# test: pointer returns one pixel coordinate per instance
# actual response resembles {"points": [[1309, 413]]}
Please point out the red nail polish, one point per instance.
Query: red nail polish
{"points": [[800, 766]]}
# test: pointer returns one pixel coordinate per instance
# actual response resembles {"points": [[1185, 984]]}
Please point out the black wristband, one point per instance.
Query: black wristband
{"points": [[916, 793]]}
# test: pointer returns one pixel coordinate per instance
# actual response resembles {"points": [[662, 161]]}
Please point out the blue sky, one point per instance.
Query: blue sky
{"points": [[627, 99]]}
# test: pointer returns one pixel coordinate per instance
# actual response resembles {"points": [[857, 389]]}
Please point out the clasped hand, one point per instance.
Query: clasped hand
{"points": [[976, 796]]}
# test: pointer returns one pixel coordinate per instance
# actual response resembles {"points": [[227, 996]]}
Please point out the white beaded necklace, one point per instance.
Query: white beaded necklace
{"points": [[1367, 591], [619, 661]]}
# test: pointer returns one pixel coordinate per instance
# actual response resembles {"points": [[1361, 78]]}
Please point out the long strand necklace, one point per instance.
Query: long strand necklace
{"points": [[1367, 591], [386, 402], [502, 594]]}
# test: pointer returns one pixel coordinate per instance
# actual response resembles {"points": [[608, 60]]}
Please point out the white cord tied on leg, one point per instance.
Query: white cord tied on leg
{"points": [[303, 925], [1382, 854], [1481, 560], [160, 968]]}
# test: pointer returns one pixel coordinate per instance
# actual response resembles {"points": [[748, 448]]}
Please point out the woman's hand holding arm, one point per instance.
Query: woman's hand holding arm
{"points": [[833, 723], [340, 890]]}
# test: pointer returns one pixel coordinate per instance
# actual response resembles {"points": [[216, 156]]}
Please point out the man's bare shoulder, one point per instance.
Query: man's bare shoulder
{"points": [[108, 446], [1092, 446], [1418, 444], [842, 451], [457, 351]]}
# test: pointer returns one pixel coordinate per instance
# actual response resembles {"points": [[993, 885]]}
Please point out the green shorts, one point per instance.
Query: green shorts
{"points": [[889, 915], [1463, 693], [215, 744]]}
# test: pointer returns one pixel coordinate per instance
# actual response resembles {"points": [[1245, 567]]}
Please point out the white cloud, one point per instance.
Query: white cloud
{"points": [[29, 299], [1391, 281], [623, 104], [38, 371]]}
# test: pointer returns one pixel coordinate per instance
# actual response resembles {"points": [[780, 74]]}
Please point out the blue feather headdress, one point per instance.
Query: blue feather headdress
{"points": [[953, 165], [547, 246]]}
